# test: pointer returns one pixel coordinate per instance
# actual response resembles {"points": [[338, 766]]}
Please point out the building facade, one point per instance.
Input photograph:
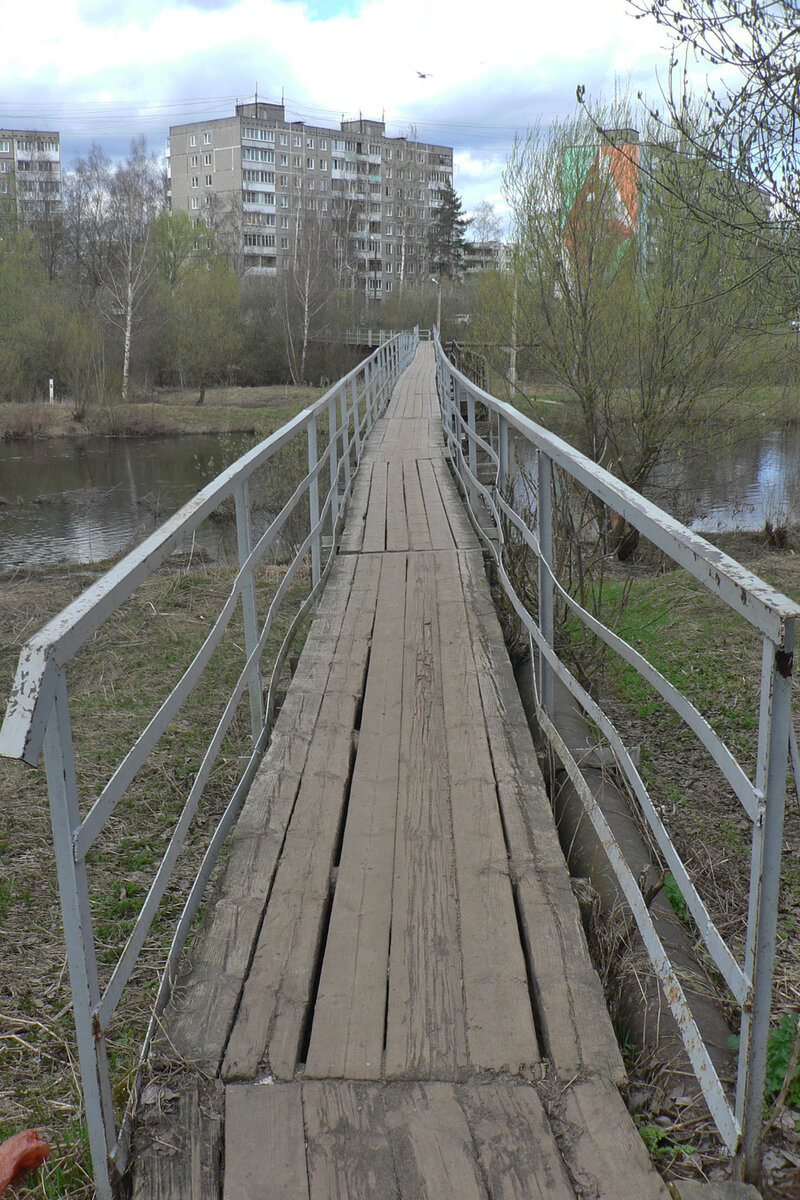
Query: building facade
{"points": [[275, 192], [30, 172]]}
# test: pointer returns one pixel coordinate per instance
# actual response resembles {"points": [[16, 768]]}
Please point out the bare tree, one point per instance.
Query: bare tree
{"points": [[749, 127], [305, 289], [485, 224], [618, 298]]}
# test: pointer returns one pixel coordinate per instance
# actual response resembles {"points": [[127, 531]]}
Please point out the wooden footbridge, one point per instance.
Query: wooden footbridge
{"points": [[390, 993], [393, 995]]}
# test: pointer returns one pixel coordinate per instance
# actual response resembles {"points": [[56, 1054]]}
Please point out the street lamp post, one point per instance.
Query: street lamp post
{"points": [[438, 283]]}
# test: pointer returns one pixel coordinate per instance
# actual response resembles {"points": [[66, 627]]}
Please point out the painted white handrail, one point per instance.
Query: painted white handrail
{"points": [[769, 612], [37, 717]]}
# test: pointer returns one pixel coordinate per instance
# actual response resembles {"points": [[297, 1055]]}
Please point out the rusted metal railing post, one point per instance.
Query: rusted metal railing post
{"points": [[345, 437], [502, 452], [544, 523], [75, 911], [249, 607], [333, 460], [773, 751], [313, 500]]}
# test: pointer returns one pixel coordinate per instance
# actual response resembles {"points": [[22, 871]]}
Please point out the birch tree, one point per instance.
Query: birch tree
{"points": [[135, 198]]}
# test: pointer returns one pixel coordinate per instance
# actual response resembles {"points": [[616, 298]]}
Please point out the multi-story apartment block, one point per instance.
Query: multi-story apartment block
{"points": [[30, 171], [276, 191]]}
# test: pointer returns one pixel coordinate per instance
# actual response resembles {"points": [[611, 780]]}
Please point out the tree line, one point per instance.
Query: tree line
{"points": [[117, 295]]}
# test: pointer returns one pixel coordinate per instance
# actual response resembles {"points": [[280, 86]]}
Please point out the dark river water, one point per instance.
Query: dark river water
{"points": [[65, 501], [738, 487]]}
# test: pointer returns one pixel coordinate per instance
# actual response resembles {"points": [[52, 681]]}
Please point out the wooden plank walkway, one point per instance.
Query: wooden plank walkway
{"points": [[391, 995]]}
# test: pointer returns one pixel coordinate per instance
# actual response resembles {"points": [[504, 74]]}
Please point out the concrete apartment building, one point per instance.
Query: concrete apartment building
{"points": [[277, 191], [30, 171]]}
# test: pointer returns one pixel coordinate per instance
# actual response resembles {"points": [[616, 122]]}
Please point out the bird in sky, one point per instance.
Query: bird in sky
{"points": [[424, 74]]}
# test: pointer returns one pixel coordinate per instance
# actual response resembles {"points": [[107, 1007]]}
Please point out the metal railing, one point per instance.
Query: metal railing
{"points": [[38, 713], [479, 458]]}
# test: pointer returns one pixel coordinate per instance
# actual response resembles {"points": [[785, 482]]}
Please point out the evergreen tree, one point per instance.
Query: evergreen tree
{"points": [[448, 234]]}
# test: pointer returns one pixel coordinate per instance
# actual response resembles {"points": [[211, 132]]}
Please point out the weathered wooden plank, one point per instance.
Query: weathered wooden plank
{"points": [[419, 534], [499, 1017], [516, 1147], [197, 1023], [441, 534], [177, 1150], [349, 1155], [569, 998], [396, 519], [349, 1018], [265, 1153], [277, 991], [425, 1035], [375, 525], [353, 532], [464, 535], [606, 1156], [431, 1143]]}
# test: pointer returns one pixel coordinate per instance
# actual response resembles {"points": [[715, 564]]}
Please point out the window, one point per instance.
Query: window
{"points": [[284, 139], [323, 185], [195, 202], [323, 143], [284, 243], [193, 160], [206, 160], [4, 168], [296, 162], [323, 205], [284, 180], [323, 164], [309, 164], [284, 222], [23, 146], [284, 160], [284, 202], [388, 268], [3, 187], [195, 181], [206, 139], [297, 140], [388, 285], [209, 180], [192, 139], [309, 143], [5, 147]]}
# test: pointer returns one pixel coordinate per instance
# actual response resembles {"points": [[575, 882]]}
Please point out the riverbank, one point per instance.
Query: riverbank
{"points": [[714, 658], [164, 413], [115, 685]]}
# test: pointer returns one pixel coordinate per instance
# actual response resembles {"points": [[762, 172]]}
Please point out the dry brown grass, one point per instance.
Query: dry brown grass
{"points": [[115, 686]]}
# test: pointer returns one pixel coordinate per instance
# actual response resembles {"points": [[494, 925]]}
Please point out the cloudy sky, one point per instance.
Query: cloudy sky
{"points": [[108, 70]]}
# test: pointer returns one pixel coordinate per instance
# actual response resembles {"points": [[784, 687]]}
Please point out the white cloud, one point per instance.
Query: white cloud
{"points": [[113, 68]]}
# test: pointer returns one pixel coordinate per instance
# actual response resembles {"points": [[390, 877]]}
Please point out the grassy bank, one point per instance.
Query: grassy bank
{"points": [[116, 684], [714, 658], [256, 410]]}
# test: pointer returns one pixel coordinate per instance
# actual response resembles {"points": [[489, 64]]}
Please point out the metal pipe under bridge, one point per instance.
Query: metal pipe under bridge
{"points": [[390, 991]]}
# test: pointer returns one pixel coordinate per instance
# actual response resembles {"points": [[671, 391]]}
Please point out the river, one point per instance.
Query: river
{"points": [[83, 501], [68, 501]]}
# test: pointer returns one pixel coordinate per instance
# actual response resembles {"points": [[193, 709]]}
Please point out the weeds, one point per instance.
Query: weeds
{"points": [[115, 685]]}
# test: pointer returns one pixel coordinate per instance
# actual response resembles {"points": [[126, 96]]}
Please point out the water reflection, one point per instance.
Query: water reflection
{"points": [[741, 487], [80, 502]]}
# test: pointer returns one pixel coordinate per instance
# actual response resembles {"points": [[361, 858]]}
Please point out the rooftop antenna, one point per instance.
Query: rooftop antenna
{"points": [[256, 105]]}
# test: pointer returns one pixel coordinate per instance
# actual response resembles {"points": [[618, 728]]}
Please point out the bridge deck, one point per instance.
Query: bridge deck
{"points": [[392, 995]]}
